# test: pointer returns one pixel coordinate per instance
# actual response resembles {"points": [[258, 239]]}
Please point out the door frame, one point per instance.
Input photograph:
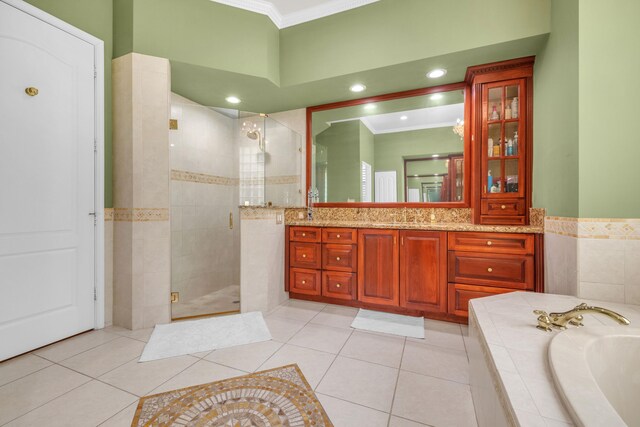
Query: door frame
{"points": [[98, 202]]}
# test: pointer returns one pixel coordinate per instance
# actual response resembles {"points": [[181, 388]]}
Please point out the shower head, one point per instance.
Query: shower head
{"points": [[253, 134]]}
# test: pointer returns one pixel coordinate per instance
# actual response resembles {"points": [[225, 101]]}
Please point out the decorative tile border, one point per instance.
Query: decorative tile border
{"points": [[140, 214], [253, 213], [594, 228], [108, 214], [202, 178], [283, 179]]}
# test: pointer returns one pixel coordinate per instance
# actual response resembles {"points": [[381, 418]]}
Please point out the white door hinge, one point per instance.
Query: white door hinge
{"points": [[95, 145], [95, 72], [95, 294]]}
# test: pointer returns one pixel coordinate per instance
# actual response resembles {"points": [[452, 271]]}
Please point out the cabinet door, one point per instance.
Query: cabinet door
{"points": [[378, 267], [423, 270]]}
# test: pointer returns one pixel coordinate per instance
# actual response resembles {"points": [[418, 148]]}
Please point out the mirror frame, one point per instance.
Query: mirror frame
{"points": [[465, 203]]}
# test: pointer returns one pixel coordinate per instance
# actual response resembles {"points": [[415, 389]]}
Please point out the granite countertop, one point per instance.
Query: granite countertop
{"points": [[503, 326], [435, 226]]}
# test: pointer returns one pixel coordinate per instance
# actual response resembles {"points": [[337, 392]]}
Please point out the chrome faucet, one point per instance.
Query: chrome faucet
{"points": [[312, 194], [574, 317]]}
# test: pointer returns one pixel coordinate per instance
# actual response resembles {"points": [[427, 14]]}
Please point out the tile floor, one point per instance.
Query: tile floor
{"points": [[362, 379]]}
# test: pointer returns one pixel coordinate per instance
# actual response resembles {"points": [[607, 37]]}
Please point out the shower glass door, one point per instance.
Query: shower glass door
{"points": [[205, 235]]}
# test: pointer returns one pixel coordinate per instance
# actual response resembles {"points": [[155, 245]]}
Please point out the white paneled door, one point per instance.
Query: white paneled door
{"points": [[47, 134]]}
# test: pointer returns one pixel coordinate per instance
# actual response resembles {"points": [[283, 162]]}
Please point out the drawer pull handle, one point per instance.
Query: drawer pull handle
{"points": [[338, 285], [304, 255], [304, 234], [503, 207], [337, 258], [337, 236], [489, 269], [304, 282], [489, 243]]}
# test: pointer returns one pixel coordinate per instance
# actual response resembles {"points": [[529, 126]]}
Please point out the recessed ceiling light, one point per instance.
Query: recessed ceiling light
{"points": [[358, 87], [404, 118], [370, 106], [436, 155], [233, 99], [436, 96], [438, 72]]}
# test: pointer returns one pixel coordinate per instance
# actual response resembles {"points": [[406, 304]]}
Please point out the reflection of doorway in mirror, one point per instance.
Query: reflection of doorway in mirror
{"points": [[366, 183], [385, 187]]}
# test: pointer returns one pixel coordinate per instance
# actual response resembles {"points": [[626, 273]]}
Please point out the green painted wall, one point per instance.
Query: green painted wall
{"points": [[391, 148], [342, 141], [555, 166], [95, 17], [202, 33], [386, 33], [609, 89]]}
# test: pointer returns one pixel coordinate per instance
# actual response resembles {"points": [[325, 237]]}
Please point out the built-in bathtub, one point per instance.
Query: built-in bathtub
{"points": [[512, 374], [597, 372]]}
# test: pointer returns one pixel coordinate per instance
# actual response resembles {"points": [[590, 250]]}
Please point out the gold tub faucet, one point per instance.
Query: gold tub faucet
{"points": [[574, 317]]}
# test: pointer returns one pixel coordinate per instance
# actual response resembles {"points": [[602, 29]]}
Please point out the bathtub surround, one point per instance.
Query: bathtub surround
{"points": [[141, 230], [593, 258], [510, 379]]}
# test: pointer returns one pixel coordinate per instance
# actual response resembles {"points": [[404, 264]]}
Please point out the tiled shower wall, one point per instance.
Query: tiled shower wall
{"points": [[593, 258], [204, 193]]}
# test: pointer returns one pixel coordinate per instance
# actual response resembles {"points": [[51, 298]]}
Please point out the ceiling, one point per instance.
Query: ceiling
{"points": [[287, 13], [424, 118]]}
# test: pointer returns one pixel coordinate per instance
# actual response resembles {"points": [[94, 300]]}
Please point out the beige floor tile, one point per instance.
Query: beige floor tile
{"points": [[141, 378], [314, 364], [360, 382], [106, 357], [437, 362], [27, 393], [433, 401], [88, 405], [336, 316], [297, 310], [201, 372], [385, 350], [441, 334], [122, 418], [138, 334], [283, 329], [21, 366], [401, 422], [75, 345], [322, 338], [347, 414], [247, 357]]}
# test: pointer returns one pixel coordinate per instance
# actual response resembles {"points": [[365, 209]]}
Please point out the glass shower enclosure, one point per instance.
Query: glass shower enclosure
{"points": [[221, 159]]}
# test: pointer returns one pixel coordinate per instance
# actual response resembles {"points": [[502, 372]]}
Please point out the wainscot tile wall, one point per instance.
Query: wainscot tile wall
{"points": [[593, 258]]}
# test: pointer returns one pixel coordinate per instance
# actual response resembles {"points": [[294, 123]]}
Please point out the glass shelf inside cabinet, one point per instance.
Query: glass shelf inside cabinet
{"points": [[494, 140], [511, 139], [494, 177], [511, 176], [512, 102]]}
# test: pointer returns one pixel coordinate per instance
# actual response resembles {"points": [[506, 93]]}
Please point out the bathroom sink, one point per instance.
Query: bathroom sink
{"points": [[597, 373]]}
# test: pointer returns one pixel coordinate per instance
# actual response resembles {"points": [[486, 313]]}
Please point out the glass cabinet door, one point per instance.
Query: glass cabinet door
{"points": [[503, 139]]}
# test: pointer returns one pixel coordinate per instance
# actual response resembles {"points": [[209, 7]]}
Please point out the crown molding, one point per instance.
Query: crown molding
{"points": [[281, 21]]}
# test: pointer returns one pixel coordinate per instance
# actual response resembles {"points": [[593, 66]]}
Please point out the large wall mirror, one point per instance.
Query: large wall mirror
{"points": [[403, 148]]}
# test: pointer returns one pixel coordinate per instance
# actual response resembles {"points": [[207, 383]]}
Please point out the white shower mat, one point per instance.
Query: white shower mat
{"points": [[180, 338], [396, 324]]}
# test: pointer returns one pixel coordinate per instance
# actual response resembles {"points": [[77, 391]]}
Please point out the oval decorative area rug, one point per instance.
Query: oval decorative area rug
{"points": [[273, 398]]}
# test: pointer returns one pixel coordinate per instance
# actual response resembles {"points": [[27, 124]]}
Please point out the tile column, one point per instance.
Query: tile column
{"points": [[142, 247]]}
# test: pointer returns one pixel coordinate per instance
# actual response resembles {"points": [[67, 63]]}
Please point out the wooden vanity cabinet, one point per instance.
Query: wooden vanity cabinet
{"points": [[378, 267], [423, 270]]}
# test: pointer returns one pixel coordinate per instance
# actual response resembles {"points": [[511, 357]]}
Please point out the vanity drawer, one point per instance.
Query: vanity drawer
{"points": [[503, 243], [339, 257], [305, 255], [339, 285], [511, 271], [346, 236], [502, 220], [508, 207], [303, 281], [305, 234], [460, 294]]}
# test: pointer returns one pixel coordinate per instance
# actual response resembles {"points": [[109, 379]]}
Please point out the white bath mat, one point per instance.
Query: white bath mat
{"points": [[180, 338], [396, 324]]}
